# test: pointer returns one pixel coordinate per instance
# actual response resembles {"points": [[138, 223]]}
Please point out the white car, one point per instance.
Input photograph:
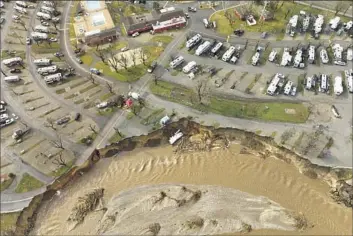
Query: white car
{"points": [[135, 34], [53, 40], [124, 49], [102, 105]]}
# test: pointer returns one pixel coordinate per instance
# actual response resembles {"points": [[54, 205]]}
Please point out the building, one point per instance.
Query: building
{"points": [[101, 36], [157, 21]]}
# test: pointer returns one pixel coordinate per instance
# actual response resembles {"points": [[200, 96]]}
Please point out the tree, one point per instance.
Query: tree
{"points": [[201, 90], [93, 129], [341, 5], [50, 123], [57, 143], [91, 78], [144, 55], [100, 53], [156, 5], [110, 87], [156, 77], [23, 25], [134, 56], [123, 61], [118, 131], [113, 62], [60, 160], [119, 100]]}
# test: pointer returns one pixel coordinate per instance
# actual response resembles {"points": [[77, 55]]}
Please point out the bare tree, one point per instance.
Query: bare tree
{"points": [[119, 100], [59, 160], [50, 123], [118, 131], [110, 87], [156, 78], [100, 53], [340, 6], [57, 143], [144, 56], [93, 129], [134, 56], [123, 61], [113, 62], [91, 78], [201, 90], [23, 25]]}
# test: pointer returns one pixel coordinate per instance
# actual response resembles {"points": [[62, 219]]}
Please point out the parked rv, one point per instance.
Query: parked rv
{"points": [[12, 61], [47, 70], [52, 78], [42, 62], [176, 62], [12, 79]]}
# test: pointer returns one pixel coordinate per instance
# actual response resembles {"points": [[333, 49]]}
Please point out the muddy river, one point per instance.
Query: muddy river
{"points": [[274, 179]]}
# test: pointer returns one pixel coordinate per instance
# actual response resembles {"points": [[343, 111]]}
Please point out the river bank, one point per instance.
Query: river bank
{"points": [[250, 144]]}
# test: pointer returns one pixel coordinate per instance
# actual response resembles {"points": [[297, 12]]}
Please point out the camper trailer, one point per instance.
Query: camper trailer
{"points": [[338, 87], [41, 29], [193, 41], [47, 70], [311, 58], [272, 56], [288, 87], [42, 62], [228, 54], [203, 48], [191, 65], [20, 9], [21, 4], [48, 3], [39, 36], [324, 56], [349, 79], [48, 10], [273, 85], [52, 78], [176, 62], [216, 48], [12, 61], [12, 79], [286, 57], [323, 83], [44, 16]]}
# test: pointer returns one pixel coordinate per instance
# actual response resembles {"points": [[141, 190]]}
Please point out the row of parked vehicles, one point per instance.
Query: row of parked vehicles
{"points": [[5, 118]]}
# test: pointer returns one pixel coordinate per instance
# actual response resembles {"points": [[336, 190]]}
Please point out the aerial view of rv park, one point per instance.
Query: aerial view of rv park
{"points": [[214, 117]]}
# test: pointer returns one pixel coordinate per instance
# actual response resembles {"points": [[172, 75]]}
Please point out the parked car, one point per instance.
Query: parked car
{"points": [[58, 54], [124, 49], [238, 32], [77, 116], [95, 71], [79, 60], [28, 41], [102, 105], [63, 120], [187, 16], [44, 23], [53, 40], [135, 34], [3, 103], [192, 9], [15, 71], [264, 35], [152, 67]]}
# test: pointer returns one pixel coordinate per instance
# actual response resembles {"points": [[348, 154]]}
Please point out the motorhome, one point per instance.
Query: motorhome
{"points": [[306, 23], [21, 4], [338, 87], [273, 85], [324, 56], [191, 65], [288, 87], [349, 79], [323, 83], [48, 3], [42, 62], [12, 79], [309, 83], [286, 57], [337, 52], [48, 10], [39, 36], [193, 41], [20, 9], [298, 58], [334, 22], [52, 78], [311, 58], [349, 54], [216, 48], [47, 70], [204, 47], [12, 61], [347, 26], [44, 16], [272, 56], [176, 62], [255, 59], [228, 54], [41, 29]]}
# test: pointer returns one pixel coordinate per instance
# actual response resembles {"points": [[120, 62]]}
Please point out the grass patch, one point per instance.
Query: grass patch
{"points": [[28, 183], [174, 72], [78, 84], [4, 185], [131, 75], [250, 86], [131, 10], [21, 54], [119, 45], [91, 86], [300, 86], [258, 132], [106, 96], [107, 111], [45, 48], [87, 59], [50, 111], [268, 111], [92, 137], [123, 30], [153, 117], [264, 56], [60, 91], [79, 101], [116, 138], [8, 222], [165, 39], [62, 170]]}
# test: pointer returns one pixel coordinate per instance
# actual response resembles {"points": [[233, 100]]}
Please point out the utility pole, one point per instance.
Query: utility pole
{"points": [[3, 72]]}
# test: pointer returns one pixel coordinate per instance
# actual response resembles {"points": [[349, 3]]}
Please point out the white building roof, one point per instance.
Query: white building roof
{"points": [[169, 23]]}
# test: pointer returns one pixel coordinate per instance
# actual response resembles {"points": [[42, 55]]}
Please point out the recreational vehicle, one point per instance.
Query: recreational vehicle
{"points": [[12, 61], [193, 41], [47, 70], [44, 16], [41, 29], [203, 48], [176, 62], [191, 65], [42, 62], [216, 48], [228, 54], [52, 78], [12, 79]]}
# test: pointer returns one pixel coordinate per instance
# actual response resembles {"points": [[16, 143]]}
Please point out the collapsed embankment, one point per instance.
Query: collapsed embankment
{"points": [[261, 146]]}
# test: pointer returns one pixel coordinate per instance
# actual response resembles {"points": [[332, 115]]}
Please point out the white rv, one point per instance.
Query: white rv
{"points": [[42, 62], [311, 58], [12, 79], [39, 36], [286, 57], [52, 78], [44, 16], [217, 47], [349, 79], [205, 22], [338, 87], [193, 41], [203, 48], [298, 57], [48, 10], [20, 9], [324, 56], [334, 22], [272, 56], [309, 83], [12, 61], [273, 85], [41, 29], [255, 59], [228, 54], [48, 3], [324, 83], [176, 62], [47, 70], [288, 87], [21, 4], [349, 54], [191, 65]]}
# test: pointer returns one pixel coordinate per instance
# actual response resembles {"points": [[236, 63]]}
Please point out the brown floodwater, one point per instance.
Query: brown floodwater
{"points": [[279, 181]]}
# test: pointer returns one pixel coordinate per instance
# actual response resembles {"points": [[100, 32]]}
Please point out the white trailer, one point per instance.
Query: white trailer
{"points": [[338, 87], [350, 82], [334, 22], [228, 54], [48, 10], [324, 83], [194, 40], [12, 79], [205, 22], [21, 4], [324, 56], [217, 47], [12, 61], [309, 83], [20, 9], [176, 62], [311, 54], [47, 70], [48, 3], [255, 58], [273, 85], [39, 36], [42, 62], [52, 78], [203, 48], [288, 87], [191, 65], [286, 57], [41, 29], [349, 54], [44, 16], [272, 56]]}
